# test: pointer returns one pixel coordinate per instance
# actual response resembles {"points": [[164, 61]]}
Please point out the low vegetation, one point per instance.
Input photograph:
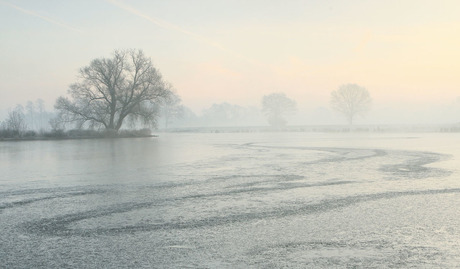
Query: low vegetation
{"points": [[8, 134]]}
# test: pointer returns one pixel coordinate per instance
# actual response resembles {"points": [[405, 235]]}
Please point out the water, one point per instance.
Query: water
{"points": [[240, 200]]}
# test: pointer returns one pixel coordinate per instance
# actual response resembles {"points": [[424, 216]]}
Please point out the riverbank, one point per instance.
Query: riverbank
{"points": [[78, 134], [70, 138]]}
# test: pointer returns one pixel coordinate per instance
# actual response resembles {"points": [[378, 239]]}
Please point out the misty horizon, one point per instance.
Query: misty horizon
{"points": [[239, 52], [321, 115]]}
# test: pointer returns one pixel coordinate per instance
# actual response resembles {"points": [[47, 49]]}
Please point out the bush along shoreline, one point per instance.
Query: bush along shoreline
{"points": [[10, 135]]}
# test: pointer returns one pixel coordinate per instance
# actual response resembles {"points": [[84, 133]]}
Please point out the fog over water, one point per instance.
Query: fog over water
{"points": [[262, 134], [232, 200]]}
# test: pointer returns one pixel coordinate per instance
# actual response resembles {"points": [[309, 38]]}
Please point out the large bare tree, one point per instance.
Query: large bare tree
{"points": [[351, 100], [112, 90]]}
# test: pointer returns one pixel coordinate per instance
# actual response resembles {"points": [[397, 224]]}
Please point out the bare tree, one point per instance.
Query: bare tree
{"points": [[55, 124], [351, 100], [16, 121], [276, 107], [112, 90], [171, 109]]}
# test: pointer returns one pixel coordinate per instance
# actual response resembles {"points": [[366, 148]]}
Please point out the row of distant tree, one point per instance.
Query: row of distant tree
{"points": [[351, 100], [32, 118], [276, 110], [127, 91]]}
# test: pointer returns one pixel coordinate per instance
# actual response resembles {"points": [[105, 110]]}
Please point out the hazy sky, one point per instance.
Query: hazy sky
{"points": [[406, 53]]}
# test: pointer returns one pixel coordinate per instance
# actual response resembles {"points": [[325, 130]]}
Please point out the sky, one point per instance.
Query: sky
{"points": [[405, 52]]}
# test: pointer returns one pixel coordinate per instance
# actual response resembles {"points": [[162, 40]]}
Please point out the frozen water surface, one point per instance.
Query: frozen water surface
{"points": [[259, 200]]}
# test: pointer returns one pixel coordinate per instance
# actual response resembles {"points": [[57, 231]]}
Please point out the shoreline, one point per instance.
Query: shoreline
{"points": [[18, 139]]}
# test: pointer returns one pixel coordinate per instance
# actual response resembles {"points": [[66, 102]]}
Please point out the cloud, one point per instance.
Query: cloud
{"points": [[35, 14]]}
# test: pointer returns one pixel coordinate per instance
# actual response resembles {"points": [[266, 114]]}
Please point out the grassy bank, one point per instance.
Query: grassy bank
{"points": [[8, 135]]}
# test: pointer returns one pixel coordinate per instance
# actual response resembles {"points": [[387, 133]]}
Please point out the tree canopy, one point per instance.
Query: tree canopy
{"points": [[351, 100], [276, 107], [110, 91]]}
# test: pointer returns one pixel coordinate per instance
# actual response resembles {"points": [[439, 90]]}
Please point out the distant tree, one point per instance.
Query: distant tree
{"points": [[112, 90], [40, 104], [30, 115], [187, 118], [171, 109], [276, 107], [226, 114], [351, 100], [56, 124], [222, 114], [15, 122]]}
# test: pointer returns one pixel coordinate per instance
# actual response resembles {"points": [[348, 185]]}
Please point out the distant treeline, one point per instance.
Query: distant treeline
{"points": [[27, 121], [325, 129]]}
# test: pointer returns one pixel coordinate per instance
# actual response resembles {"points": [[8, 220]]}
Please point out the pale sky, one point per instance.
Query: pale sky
{"points": [[406, 53]]}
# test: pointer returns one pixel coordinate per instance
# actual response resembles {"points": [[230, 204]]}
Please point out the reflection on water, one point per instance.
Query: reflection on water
{"points": [[232, 200]]}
